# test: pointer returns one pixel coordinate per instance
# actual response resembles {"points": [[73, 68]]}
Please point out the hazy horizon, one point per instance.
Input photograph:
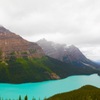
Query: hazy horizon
{"points": [[74, 22]]}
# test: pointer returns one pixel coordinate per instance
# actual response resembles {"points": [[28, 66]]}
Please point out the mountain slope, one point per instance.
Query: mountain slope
{"points": [[22, 70], [87, 92], [12, 44], [67, 54]]}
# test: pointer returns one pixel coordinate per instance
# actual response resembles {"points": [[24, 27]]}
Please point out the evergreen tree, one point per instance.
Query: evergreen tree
{"points": [[26, 98], [19, 98]]}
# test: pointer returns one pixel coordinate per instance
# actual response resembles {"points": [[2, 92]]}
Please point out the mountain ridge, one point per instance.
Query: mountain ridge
{"points": [[22, 61], [66, 53]]}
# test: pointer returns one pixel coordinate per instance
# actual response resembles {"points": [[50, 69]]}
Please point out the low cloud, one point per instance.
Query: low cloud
{"points": [[64, 21]]}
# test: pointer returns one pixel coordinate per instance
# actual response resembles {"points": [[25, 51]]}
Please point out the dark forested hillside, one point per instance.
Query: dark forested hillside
{"points": [[84, 93], [20, 70]]}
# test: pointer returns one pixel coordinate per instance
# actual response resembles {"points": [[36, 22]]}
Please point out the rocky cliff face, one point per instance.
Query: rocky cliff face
{"points": [[14, 45]]}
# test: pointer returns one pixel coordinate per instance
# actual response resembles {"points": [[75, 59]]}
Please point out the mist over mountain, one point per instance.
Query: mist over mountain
{"points": [[22, 61], [45, 40], [65, 53], [60, 51], [63, 21]]}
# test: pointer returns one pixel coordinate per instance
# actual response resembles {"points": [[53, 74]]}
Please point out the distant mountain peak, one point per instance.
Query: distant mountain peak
{"points": [[43, 40], [4, 30], [61, 51], [72, 46], [1, 25]]}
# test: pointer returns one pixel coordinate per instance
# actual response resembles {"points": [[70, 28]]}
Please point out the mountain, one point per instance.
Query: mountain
{"points": [[67, 54], [52, 49], [22, 61], [87, 92], [14, 45], [61, 51]]}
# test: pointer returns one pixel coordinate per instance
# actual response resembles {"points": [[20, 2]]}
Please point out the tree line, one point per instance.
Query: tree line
{"points": [[20, 98]]}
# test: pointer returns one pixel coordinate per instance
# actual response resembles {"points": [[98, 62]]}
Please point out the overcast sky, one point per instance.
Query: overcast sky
{"points": [[64, 21]]}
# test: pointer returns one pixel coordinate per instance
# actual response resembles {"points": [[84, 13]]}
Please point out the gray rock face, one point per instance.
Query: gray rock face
{"points": [[61, 51], [67, 54]]}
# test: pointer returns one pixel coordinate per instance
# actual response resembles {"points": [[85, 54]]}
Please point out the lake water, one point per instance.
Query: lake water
{"points": [[47, 88]]}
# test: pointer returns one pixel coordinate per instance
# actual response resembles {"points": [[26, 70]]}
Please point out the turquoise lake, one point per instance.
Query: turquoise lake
{"points": [[47, 88]]}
